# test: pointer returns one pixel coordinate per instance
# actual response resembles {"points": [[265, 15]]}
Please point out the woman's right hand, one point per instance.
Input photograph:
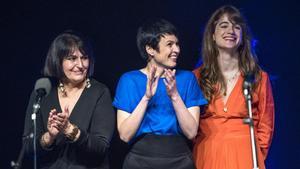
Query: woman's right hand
{"points": [[52, 126], [48, 138], [152, 82]]}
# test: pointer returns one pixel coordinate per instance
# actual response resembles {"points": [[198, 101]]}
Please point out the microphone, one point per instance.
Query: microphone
{"points": [[247, 85], [42, 88]]}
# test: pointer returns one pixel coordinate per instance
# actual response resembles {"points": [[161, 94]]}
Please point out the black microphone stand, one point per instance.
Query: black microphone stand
{"points": [[26, 139], [18, 164], [36, 108], [42, 88], [249, 121]]}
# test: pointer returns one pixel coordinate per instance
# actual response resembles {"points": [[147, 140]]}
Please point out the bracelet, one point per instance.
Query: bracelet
{"points": [[72, 136], [43, 143]]}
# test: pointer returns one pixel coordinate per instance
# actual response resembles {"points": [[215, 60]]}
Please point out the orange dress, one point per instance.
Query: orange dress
{"points": [[223, 140]]}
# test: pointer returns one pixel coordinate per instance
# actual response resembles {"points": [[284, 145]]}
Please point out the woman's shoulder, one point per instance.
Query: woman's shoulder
{"points": [[183, 72], [197, 71], [186, 74], [264, 74], [265, 78], [98, 86], [132, 73], [132, 76]]}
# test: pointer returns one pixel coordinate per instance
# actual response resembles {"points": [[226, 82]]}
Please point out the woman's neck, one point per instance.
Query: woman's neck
{"points": [[228, 62], [159, 69]]}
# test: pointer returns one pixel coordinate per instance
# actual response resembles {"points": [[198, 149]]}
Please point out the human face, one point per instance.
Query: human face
{"points": [[75, 67], [166, 56], [227, 35]]}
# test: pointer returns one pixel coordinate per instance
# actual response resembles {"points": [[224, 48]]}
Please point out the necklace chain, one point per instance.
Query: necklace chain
{"points": [[231, 79]]}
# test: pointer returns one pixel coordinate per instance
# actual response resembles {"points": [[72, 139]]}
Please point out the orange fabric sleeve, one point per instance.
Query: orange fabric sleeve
{"points": [[266, 111]]}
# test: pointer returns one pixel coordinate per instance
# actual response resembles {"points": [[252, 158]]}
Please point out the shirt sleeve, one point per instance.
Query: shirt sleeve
{"points": [[127, 97], [102, 127], [266, 115], [194, 94]]}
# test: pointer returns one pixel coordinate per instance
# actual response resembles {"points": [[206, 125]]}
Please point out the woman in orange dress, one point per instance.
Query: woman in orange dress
{"points": [[223, 141]]}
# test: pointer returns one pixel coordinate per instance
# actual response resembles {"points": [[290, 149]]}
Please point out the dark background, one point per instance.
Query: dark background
{"points": [[28, 27]]}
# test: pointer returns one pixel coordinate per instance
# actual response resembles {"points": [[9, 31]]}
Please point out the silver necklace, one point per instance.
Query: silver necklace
{"points": [[231, 79]]}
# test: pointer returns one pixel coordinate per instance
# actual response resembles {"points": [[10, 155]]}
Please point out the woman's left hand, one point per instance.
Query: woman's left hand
{"points": [[170, 82], [63, 120]]}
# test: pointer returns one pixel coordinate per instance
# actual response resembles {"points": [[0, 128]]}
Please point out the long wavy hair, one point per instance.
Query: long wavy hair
{"points": [[212, 81]]}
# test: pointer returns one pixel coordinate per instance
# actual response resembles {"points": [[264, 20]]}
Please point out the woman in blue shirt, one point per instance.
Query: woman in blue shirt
{"points": [[158, 107]]}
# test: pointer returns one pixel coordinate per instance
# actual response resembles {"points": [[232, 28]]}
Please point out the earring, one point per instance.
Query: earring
{"points": [[88, 83], [62, 89]]}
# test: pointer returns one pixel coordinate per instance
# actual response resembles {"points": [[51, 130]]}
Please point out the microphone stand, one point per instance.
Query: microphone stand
{"points": [[36, 107], [18, 164], [32, 135], [42, 88], [250, 122]]}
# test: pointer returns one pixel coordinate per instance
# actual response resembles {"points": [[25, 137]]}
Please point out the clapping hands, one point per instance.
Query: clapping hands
{"points": [[170, 82], [58, 122]]}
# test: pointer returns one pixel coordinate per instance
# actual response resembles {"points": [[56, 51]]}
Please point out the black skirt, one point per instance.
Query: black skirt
{"points": [[159, 152]]}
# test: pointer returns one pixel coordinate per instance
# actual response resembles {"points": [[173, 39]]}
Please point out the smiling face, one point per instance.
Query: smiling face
{"points": [[167, 54], [227, 35], [75, 67]]}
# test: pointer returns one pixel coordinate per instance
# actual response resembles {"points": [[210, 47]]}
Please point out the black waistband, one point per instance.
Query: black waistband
{"points": [[161, 145]]}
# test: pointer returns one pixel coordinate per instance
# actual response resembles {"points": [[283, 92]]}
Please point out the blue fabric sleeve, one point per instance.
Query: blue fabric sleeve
{"points": [[126, 97], [194, 94]]}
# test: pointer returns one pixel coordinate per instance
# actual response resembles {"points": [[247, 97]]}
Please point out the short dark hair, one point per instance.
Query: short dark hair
{"points": [[62, 46], [151, 32]]}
